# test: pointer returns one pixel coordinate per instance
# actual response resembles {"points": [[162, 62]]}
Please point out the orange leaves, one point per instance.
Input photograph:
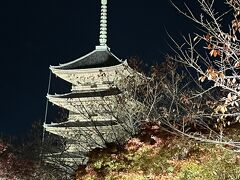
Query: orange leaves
{"points": [[133, 144], [221, 74], [209, 47], [235, 25], [208, 37], [215, 53], [211, 74], [213, 50], [202, 78]]}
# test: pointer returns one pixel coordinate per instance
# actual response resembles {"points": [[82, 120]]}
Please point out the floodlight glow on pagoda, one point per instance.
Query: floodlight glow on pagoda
{"points": [[96, 79]]}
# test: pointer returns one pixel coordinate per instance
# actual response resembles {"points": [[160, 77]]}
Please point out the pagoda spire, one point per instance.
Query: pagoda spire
{"points": [[103, 24]]}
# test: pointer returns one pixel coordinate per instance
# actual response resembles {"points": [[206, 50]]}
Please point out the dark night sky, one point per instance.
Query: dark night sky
{"points": [[36, 34]]}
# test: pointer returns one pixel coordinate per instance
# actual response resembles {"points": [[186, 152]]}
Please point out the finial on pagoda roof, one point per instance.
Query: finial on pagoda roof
{"points": [[103, 24]]}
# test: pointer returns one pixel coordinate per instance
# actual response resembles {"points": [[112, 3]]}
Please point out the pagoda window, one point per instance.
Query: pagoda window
{"points": [[94, 85], [107, 82], [92, 114], [86, 84]]}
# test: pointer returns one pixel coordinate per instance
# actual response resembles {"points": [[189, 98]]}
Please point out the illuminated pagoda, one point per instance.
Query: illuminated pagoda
{"points": [[97, 81]]}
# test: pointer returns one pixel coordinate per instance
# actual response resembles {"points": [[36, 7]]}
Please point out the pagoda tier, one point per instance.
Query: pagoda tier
{"points": [[83, 107], [94, 78], [66, 159], [86, 134], [72, 117], [90, 103]]}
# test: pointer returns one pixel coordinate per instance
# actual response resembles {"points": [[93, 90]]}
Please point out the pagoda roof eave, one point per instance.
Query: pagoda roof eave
{"points": [[87, 123], [96, 58], [109, 92], [94, 69]]}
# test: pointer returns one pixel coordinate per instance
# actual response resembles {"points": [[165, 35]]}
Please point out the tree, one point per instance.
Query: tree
{"points": [[214, 53]]}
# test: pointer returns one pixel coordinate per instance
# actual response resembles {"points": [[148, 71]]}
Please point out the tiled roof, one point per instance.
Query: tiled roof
{"points": [[96, 58]]}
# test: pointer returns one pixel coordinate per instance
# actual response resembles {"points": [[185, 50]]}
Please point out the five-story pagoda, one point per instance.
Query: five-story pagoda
{"points": [[97, 88]]}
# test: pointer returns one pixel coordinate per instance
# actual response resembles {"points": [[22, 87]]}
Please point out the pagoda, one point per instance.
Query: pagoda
{"points": [[96, 103]]}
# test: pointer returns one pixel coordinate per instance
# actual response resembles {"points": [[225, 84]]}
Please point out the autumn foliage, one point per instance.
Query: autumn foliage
{"points": [[192, 97], [12, 165], [166, 157]]}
